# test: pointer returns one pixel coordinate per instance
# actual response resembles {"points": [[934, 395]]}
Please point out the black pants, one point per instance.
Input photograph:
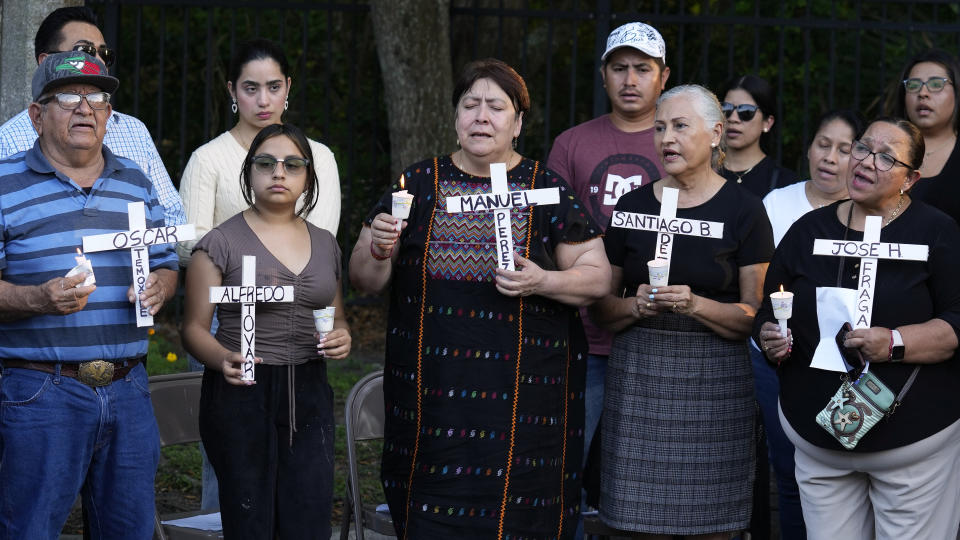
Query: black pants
{"points": [[267, 487]]}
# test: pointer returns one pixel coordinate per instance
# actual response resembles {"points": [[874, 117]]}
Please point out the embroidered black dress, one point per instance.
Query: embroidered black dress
{"points": [[483, 392]]}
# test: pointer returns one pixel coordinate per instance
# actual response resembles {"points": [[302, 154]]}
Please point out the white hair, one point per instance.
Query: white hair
{"points": [[707, 107]]}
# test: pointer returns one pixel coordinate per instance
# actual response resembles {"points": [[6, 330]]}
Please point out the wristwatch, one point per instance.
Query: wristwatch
{"points": [[897, 350]]}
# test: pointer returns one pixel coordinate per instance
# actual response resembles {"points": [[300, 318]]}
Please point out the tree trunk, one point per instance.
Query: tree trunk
{"points": [[413, 45], [19, 21]]}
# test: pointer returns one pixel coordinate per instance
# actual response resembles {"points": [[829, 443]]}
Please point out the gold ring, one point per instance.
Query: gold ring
{"points": [[674, 306], [648, 305]]}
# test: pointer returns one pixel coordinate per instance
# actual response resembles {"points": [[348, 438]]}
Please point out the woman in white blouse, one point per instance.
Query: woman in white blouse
{"points": [[259, 85]]}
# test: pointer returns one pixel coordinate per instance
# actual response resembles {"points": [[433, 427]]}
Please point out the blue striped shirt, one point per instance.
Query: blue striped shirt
{"points": [[43, 219], [126, 136]]}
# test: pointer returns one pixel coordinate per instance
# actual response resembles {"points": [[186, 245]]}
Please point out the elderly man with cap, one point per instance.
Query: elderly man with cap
{"points": [[75, 411], [612, 154]]}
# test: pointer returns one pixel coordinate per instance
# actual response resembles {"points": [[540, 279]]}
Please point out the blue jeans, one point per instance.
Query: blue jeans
{"points": [[767, 389], [60, 437], [593, 407], [209, 500]]}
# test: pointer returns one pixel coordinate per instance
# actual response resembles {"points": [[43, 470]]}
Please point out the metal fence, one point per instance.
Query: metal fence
{"points": [[819, 54]]}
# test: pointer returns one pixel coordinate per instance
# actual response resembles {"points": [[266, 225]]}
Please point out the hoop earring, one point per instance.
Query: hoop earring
{"points": [[234, 106], [286, 104]]}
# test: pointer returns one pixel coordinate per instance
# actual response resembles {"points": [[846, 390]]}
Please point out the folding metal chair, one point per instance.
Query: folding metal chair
{"points": [[364, 422], [176, 404]]}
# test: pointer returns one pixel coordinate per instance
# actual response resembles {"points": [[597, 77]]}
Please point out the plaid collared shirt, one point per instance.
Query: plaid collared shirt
{"points": [[126, 136]]}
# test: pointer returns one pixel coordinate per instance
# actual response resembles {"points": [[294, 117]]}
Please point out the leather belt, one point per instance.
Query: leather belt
{"points": [[93, 373]]}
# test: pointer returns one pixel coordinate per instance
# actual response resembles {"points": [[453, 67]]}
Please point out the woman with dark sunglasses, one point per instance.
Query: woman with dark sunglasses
{"points": [[748, 105], [927, 94]]}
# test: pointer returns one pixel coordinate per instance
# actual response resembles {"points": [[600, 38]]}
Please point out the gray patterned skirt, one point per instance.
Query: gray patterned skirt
{"points": [[678, 430]]}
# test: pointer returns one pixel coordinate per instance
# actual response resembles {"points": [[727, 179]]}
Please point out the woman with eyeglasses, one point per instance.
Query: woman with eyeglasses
{"points": [[270, 440], [828, 157], [928, 96], [259, 86], [901, 478], [748, 105]]}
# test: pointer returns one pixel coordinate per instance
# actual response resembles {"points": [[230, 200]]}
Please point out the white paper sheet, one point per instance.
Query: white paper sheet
{"points": [[835, 306], [202, 522]]}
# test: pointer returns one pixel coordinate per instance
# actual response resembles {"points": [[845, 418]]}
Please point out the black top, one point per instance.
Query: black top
{"points": [[907, 292], [711, 267], [763, 178], [943, 190]]}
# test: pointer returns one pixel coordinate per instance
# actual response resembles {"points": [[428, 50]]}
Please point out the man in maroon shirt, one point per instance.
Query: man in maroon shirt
{"points": [[611, 155]]}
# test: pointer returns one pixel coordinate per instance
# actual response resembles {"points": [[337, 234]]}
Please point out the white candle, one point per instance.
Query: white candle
{"points": [[83, 266], [782, 302], [402, 201], [658, 270], [323, 319]]}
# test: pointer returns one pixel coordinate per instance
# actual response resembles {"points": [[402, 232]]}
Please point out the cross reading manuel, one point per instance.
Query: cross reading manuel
{"points": [[667, 224], [138, 239], [248, 295], [500, 201]]}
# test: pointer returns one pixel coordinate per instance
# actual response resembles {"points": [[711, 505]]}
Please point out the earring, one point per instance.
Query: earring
{"points": [[765, 130], [458, 142], [286, 104], [901, 191], [713, 145], [514, 143], [234, 106]]}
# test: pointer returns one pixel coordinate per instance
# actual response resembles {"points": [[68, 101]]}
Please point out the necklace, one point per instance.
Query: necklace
{"points": [[895, 213], [742, 174], [950, 142]]}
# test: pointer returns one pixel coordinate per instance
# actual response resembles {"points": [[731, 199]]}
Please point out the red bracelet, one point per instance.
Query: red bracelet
{"points": [[390, 252]]}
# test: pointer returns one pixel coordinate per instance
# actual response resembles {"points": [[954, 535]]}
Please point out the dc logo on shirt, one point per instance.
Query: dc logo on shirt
{"points": [[617, 186]]}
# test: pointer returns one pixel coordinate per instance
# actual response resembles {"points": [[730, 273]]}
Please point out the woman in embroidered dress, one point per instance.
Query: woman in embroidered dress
{"points": [[271, 443], [678, 415], [485, 366], [902, 479]]}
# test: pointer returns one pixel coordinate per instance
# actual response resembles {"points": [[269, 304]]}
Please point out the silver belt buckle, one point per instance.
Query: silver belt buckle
{"points": [[95, 373]]}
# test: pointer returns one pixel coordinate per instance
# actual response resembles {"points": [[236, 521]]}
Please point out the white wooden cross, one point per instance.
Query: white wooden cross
{"points": [[500, 200], [869, 250], [248, 295], [667, 224], [138, 239]]}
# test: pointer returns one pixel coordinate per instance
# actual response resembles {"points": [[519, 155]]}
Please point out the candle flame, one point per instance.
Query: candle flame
{"points": [[401, 182], [781, 287]]}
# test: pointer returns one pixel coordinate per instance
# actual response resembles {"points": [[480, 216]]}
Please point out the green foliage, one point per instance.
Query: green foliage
{"points": [[819, 54]]}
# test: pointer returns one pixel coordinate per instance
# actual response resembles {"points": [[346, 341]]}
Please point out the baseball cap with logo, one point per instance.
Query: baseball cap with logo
{"points": [[641, 37], [71, 67]]}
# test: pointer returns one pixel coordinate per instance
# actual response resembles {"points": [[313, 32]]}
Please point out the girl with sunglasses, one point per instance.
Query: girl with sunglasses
{"points": [[259, 85], [927, 95], [748, 105], [270, 442]]}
